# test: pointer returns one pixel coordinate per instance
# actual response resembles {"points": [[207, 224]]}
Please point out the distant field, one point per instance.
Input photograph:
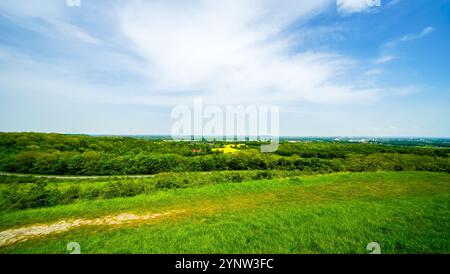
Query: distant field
{"points": [[405, 212]]}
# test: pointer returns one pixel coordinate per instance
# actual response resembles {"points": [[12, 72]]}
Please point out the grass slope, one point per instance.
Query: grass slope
{"points": [[406, 212]]}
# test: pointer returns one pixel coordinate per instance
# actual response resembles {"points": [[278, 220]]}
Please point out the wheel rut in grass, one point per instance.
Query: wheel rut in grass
{"points": [[12, 236]]}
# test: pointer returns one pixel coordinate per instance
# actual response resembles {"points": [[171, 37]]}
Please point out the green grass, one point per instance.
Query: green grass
{"points": [[406, 212]]}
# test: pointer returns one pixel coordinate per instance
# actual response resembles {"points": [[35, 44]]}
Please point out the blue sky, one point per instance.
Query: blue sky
{"points": [[334, 67]]}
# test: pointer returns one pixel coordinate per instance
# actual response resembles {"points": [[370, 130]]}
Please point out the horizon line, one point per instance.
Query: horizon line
{"points": [[213, 136]]}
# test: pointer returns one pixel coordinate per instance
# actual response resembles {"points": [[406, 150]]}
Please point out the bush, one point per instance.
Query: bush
{"points": [[168, 182], [236, 177], [71, 194], [91, 193], [38, 195], [42, 195], [11, 196], [121, 189], [261, 175]]}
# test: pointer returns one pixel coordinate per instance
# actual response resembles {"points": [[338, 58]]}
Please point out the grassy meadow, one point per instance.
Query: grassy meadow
{"points": [[137, 195], [406, 212]]}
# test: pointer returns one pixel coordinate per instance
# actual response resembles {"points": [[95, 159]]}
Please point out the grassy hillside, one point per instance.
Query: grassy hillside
{"points": [[406, 212]]}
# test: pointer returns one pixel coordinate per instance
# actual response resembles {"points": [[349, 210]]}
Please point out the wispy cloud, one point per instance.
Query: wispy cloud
{"points": [[393, 2], [373, 72], [408, 37], [415, 36], [389, 48], [384, 59]]}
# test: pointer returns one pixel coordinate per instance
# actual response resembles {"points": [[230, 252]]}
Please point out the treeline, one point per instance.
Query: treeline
{"points": [[329, 150], [96, 163], [86, 155], [12, 142]]}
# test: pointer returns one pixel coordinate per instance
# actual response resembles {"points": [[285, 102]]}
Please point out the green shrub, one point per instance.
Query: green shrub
{"points": [[236, 177], [121, 189], [168, 182], [264, 174], [71, 194], [91, 193], [11, 196], [37, 195]]}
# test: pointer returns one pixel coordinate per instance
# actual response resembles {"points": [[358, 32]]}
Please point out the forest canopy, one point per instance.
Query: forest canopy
{"points": [[42, 153]]}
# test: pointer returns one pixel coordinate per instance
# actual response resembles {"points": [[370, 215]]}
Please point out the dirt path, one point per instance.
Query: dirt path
{"points": [[11, 236]]}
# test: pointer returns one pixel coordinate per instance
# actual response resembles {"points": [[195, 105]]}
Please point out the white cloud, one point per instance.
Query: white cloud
{"points": [[384, 59], [236, 48], [354, 6], [72, 31], [225, 51], [415, 36], [209, 48]]}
